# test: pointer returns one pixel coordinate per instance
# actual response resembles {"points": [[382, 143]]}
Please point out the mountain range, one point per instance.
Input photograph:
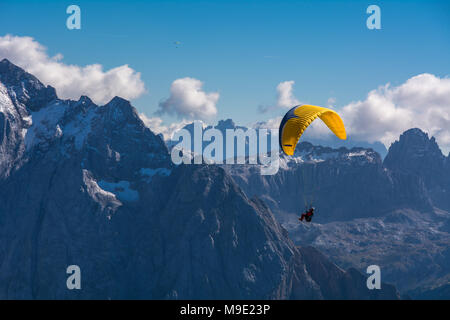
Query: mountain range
{"points": [[373, 206], [92, 186], [394, 213]]}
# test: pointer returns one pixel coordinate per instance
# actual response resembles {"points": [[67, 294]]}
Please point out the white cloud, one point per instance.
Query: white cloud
{"points": [[286, 98], [156, 125], [422, 101], [71, 81], [187, 99]]}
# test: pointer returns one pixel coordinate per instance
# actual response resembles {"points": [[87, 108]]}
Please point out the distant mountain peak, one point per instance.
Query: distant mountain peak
{"points": [[6, 62], [85, 100], [118, 101], [416, 153], [419, 137], [317, 153], [120, 110], [413, 144], [304, 145], [415, 131], [228, 124], [11, 73]]}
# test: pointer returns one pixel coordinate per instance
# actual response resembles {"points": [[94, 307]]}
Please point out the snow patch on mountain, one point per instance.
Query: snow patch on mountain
{"points": [[79, 127], [104, 198], [44, 124], [306, 153], [6, 104], [120, 189]]}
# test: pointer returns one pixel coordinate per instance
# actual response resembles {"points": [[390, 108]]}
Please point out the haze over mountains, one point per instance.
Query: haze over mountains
{"points": [[92, 186]]}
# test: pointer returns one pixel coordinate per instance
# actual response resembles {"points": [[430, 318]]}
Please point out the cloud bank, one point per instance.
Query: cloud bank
{"points": [[71, 81], [188, 100], [423, 101]]}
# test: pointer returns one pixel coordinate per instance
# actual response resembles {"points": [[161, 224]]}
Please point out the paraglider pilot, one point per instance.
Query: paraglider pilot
{"points": [[295, 122], [307, 215]]}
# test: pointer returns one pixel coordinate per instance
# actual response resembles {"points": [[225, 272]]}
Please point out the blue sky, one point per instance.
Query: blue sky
{"points": [[244, 49]]}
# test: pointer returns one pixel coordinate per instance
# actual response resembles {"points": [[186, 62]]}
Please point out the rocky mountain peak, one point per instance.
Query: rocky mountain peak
{"points": [[119, 110], [226, 124], [25, 88], [415, 152], [85, 100], [418, 155], [412, 145], [11, 71]]}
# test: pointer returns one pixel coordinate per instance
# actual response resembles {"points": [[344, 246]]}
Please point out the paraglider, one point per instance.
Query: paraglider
{"points": [[307, 215], [294, 124], [296, 120]]}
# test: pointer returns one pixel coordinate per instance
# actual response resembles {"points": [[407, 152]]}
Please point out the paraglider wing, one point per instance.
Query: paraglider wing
{"points": [[296, 120]]}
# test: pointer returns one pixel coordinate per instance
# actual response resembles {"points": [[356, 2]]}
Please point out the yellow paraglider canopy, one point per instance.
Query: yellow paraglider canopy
{"points": [[296, 120]]}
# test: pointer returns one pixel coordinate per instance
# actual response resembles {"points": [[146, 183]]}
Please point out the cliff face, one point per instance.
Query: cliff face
{"points": [[415, 154], [342, 183], [338, 284], [92, 186], [394, 213]]}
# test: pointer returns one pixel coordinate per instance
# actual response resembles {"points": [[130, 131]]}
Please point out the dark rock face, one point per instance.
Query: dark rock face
{"points": [[394, 213], [92, 186], [216, 243], [410, 247], [24, 87], [338, 284], [439, 293], [344, 184], [416, 154], [54, 213]]}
